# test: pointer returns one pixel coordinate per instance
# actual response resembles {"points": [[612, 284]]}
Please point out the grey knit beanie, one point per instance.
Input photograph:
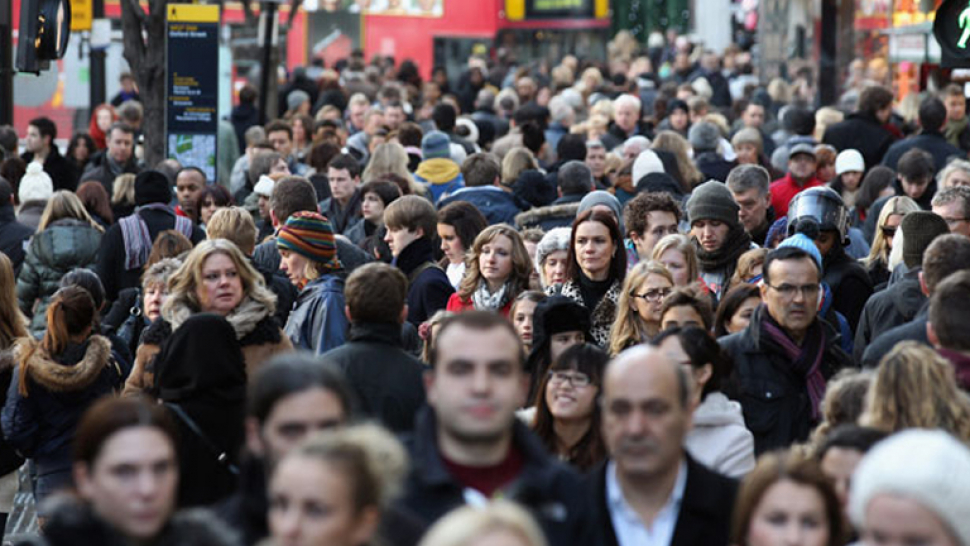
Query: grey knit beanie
{"points": [[704, 136], [712, 200]]}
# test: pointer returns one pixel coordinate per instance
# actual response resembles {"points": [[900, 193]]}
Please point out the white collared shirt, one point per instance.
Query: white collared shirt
{"points": [[629, 528]]}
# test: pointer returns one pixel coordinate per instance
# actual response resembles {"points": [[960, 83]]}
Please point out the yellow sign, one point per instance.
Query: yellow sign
{"points": [[515, 10], [81, 14], [194, 13]]}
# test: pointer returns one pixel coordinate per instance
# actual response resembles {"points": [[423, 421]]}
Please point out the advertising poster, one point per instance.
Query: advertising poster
{"points": [[408, 8]]}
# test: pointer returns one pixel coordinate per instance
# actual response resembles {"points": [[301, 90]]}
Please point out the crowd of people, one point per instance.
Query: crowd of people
{"points": [[648, 301]]}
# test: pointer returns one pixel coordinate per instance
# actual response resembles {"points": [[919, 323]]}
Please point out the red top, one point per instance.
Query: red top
{"points": [[487, 480], [457, 304], [783, 189]]}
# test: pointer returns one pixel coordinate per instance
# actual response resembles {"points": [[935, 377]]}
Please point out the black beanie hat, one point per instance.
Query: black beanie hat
{"points": [[919, 229], [555, 315], [152, 187]]}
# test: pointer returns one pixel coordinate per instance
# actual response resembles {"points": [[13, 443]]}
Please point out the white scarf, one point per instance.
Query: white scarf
{"points": [[486, 301]]}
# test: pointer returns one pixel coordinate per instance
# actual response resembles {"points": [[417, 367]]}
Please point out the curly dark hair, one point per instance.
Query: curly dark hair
{"points": [[635, 215]]}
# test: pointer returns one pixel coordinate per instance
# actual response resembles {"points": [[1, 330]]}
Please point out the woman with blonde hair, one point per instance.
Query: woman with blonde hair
{"points": [[66, 238], [956, 173], [825, 117], [638, 311], [390, 158], [123, 195], [750, 266], [216, 277], [334, 489], [672, 142], [890, 217], [500, 522], [497, 269], [679, 256], [518, 159], [915, 387]]}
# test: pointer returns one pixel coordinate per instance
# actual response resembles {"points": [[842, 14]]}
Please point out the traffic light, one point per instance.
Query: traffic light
{"points": [[45, 26]]}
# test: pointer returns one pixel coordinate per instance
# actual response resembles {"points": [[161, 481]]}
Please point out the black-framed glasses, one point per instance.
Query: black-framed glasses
{"points": [[788, 291], [654, 295], [576, 379]]}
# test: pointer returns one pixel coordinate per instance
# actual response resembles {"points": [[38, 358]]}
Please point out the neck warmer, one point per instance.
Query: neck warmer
{"points": [[954, 128], [736, 243]]}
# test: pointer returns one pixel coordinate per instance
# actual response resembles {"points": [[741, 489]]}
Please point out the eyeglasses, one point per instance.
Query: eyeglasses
{"points": [[577, 380], [888, 231], [788, 291], [655, 295], [954, 221]]}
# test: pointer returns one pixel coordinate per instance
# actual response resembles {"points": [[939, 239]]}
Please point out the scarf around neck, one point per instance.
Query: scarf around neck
{"points": [[806, 360], [244, 318], [736, 243], [953, 129], [487, 301]]}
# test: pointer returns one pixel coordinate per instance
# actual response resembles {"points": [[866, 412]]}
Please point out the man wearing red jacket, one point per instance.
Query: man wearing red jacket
{"points": [[801, 176]]}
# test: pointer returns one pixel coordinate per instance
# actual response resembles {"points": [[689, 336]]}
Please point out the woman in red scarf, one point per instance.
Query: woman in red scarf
{"points": [[101, 120]]}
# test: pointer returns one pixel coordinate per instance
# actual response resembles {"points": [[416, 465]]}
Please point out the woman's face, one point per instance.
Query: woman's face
{"points": [[451, 244], [648, 298], [372, 208], [891, 225], [825, 172], [81, 151], [132, 483], [958, 177], [570, 395], [495, 261], [682, 316], [675, 262], [293, 265], [594, 250], [747, 153], [299, 131], [554, 268], [104, 119], [558, 343], [311, 504], [155, 296], [209, 207], [522, 320], [900, 521], [678, 120], [789, 514], [742, 317], [852, 179], [221, 288]]}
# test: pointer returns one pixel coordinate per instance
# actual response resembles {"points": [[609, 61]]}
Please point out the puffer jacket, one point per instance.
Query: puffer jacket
{"points": [[41, 424], [317, 322], [65, 244], [719, 439]]}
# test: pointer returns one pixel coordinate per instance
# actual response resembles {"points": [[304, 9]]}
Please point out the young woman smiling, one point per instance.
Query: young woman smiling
{"points": [[498, 269], [596, 269]]}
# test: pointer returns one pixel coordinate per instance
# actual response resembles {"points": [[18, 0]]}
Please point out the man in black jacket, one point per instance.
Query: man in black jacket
{"points": [[469, 446], [946, 255], [785, 356], [124, 250], [41, 133], [117, 159], [386, 380], [932, 117], [650, 477], [863, 130]]}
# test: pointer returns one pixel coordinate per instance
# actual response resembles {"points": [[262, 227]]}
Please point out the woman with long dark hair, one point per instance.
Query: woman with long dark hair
{"points": [[96, 202], [596, 269], [567, 418]]}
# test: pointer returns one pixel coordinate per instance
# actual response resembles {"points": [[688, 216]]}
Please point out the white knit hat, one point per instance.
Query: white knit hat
{"points": [[647, 162], [265, 186], [849, 161], [929, 467], [35, 185]]}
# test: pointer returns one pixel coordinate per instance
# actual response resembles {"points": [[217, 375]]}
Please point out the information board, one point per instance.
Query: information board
{"points": [[558, 9], [192, 86]]}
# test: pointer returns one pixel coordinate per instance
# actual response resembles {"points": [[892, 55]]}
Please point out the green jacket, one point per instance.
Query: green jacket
{"points": [[66, 244]]}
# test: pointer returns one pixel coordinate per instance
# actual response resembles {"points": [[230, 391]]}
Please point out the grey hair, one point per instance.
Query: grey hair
{"points": [[555, 239], [159, 272], [744, 177], [948, 195]]}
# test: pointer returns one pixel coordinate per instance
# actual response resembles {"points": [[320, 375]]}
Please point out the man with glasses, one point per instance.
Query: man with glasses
{"points": [[784, 358], [953, 205]]}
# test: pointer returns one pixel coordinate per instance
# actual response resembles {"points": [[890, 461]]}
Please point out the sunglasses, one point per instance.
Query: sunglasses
{"points": [[888, 231]]}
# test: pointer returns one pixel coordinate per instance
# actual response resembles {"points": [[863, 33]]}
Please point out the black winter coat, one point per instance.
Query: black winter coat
{"points": [[243, 117], [428, 286], [862, 132], [894, 306], [774, 400], [14, 237], [98, 169], [911, 331], [705, 511], [62, 171], [111, 258], [552, 492], [849, 283], [930, 141], [386, 380]]}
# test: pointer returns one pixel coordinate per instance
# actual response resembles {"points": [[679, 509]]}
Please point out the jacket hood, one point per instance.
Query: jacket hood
{"points": [[717, 410], [57, 377], [67, 243], [538, 215], [438, 170]]}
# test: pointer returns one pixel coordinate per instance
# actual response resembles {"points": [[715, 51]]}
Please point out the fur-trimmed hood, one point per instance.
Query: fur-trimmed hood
{"points": [[244, 318], [73, 523], [57, 377], [536, 216]]}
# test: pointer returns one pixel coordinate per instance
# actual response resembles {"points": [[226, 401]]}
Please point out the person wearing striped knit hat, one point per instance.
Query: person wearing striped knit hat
{"points": [[308, 256]]}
